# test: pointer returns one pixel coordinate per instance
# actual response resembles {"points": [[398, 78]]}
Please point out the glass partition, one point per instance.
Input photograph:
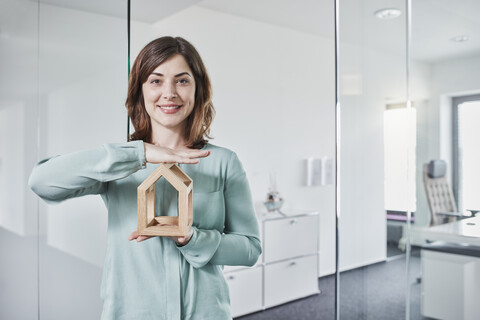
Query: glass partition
{"points": [[82, 89], [445, 88], [272, 70], [18, 153], [447, 58], [375, 157]]}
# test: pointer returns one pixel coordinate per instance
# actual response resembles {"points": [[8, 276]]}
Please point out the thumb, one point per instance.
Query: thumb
{"points": [[181, 239]]}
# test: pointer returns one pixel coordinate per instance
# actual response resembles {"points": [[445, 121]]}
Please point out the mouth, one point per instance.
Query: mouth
{"points": [[170, 108]]}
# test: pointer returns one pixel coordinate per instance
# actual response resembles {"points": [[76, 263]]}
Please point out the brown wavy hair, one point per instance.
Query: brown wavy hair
{"points": [[197, 128]]}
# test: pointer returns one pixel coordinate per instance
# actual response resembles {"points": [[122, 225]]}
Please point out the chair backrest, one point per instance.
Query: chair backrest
{"points": [[439, 193]]}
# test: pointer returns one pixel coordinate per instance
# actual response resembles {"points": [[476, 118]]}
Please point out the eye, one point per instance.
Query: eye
{"points": [[155, 81], [183, 81]]}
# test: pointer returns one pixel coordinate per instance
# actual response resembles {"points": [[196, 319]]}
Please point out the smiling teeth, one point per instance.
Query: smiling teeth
{"points": [[170, 108]]}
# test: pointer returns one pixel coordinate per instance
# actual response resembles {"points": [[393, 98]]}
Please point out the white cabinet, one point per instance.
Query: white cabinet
{"points": [[290, 279], [287, 269], [245, 290], [290, 237]]}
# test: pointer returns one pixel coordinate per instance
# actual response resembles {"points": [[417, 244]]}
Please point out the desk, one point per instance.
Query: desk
{"points": [[466, 231], [450, 281]]}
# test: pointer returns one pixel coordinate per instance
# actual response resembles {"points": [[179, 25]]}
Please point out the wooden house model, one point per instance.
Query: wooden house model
{"points": [[149, 224]]}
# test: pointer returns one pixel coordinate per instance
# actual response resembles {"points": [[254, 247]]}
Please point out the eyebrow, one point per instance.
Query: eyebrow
{"points": [[176, 76]]}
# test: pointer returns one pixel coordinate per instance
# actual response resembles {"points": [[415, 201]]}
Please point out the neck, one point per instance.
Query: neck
{"points": [[172, 138]]}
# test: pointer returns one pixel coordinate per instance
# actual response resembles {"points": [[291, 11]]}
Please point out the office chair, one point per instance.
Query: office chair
{"points": [[440, 198], [441, 202]]}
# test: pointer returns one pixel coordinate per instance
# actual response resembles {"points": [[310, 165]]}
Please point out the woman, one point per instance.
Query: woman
{"points": [[169, 102]]}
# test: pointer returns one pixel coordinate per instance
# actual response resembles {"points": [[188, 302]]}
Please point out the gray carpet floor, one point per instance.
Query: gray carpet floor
{"points": [[377, 291]]}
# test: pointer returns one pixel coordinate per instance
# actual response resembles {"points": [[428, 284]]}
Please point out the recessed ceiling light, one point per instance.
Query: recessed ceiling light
{"points": [[388, 13], [460, 38]]}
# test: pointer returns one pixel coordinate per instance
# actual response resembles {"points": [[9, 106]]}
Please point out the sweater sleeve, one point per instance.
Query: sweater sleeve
{"points": [[85, 172], [240, 242]]}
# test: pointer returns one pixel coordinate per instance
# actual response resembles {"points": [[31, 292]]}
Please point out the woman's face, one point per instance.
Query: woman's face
{"points": [[169, 93]]}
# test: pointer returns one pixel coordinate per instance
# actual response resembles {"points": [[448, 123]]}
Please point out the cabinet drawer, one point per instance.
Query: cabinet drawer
{"points": [[245, 290], [293, 237], [290, 280]]}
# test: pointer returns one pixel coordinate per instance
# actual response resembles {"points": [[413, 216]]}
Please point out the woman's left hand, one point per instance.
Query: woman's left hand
{"points": [[181, 241]]}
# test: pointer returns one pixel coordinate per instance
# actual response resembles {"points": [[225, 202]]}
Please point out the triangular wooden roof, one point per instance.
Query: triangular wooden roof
{"points": [[170, 171]]}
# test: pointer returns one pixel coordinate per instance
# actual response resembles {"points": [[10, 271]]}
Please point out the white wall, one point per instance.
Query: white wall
{"points": [[274, 96]]}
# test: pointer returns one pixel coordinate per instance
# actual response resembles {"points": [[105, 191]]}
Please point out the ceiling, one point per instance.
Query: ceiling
{"points": [[434, 22]]}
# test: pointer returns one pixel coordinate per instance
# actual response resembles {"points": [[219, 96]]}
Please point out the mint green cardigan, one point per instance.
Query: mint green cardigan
{"points": [[156, 279]]}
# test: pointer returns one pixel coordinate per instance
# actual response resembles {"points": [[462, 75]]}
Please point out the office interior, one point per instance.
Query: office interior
{"points": [[336, 105]]}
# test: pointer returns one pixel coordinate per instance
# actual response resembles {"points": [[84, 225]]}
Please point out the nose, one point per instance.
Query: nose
{"points": [[170, 90]]}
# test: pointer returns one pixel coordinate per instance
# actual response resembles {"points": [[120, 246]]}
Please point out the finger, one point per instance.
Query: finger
{"points": [[198, 153], [188, 161], [191, 157], [181, 159], [142, 238], [133, 235], [193, 154]]}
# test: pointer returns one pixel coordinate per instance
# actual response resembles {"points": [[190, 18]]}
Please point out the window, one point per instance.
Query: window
{"points": [[399, 141], [466, 151]]}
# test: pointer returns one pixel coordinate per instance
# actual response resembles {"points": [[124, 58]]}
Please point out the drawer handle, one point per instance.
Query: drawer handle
{"points": [[293, 263], [293, 221]]}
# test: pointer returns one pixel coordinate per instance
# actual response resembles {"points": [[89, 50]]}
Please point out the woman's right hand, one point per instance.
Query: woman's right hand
{"points": [[157, 154]]}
